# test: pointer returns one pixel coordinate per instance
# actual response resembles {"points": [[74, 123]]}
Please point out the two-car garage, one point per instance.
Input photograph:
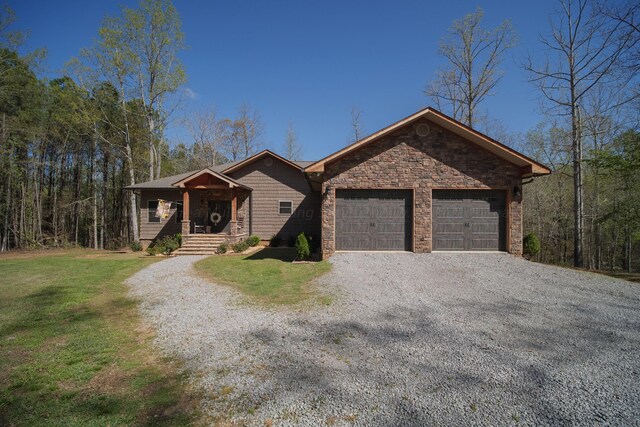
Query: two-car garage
{"points": [[462, 220]]}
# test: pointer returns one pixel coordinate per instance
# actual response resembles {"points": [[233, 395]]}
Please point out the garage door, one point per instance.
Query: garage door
{"points": [[468, 220], [370, 220]]}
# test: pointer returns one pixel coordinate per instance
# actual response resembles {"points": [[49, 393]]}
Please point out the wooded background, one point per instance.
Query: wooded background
{"points": [[69, 145]]}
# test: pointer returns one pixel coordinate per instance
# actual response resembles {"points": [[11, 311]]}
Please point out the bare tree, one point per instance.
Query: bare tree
{"points": [[243, 135], [474, 54], [356, 124], [292, 149], [586, 48], [207, 134]]}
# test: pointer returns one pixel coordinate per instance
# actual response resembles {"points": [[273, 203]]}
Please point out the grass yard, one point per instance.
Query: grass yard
{"points": [[72, 348], [267, 276]]}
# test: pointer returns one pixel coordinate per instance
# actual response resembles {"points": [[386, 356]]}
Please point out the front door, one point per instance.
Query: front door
{"points": [[219, 215]]}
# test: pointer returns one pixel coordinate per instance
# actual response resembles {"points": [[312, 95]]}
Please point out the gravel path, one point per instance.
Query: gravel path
{"points": [[434, 339]]}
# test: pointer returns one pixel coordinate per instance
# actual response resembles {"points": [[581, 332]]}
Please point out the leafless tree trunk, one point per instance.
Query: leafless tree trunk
{"points": [[473, 54], [356, 124], [589, 48], [292, 150]]}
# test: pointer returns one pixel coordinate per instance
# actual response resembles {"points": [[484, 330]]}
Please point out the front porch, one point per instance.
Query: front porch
{"points": [[215, 210]]}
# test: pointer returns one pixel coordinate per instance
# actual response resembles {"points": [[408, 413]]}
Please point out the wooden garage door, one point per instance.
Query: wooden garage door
{"points": [[468, 220], [371, 220]]}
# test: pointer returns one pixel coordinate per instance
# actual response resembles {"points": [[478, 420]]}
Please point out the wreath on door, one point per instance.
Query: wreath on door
{"points": [[215, 218]]}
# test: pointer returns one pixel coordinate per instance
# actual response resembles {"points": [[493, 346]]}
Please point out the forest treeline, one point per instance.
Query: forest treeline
{"points": [[70, 145]]}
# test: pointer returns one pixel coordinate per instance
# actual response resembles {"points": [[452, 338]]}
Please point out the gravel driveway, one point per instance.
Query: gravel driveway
{"points": [[433, 339]]}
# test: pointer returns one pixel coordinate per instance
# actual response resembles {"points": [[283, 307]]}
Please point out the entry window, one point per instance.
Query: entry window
{"points": [[152, 207], [179, 211], [285, 207]]}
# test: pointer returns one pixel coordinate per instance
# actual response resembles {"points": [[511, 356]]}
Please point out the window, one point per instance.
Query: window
{"points": [[179, 211], [152, 207], [285, 207]]}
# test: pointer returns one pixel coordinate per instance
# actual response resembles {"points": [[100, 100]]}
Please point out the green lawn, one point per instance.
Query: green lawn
{"points": [[267, 276], [73, 350]]}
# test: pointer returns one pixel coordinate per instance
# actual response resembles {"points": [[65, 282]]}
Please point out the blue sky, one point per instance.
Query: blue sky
{"points": [[309, 62]]}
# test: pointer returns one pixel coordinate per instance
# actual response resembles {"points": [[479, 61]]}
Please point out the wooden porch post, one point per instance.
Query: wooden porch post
{"points": [[186, 224], [234, 212]]}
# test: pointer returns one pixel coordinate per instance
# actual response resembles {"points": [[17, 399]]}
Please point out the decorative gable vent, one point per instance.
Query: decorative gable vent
{"points": [[268, 161], [422, 129]]}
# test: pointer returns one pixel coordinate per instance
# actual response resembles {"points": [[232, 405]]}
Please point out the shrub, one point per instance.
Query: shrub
{"points": [[179, 239], [302, 247], [223, 248], [135, 246], [275, 241], [167, 245], [240, 246], [314, 242], [153, 250], [531, 245], [253, 240]]}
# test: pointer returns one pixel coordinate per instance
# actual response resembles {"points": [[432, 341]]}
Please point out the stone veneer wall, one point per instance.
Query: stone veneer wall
{"points": [[404, 160]]}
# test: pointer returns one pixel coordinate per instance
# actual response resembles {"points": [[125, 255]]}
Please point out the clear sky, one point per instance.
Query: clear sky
{"points": [[309, 62]]}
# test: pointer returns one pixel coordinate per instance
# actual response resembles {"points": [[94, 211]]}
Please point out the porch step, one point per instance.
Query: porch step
{"points": [[201, 244], [181, 251]]}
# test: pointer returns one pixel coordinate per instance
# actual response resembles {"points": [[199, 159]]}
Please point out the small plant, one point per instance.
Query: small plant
{"points": [[302, 247], [531, 245], [275, 241], [253, 240], [314, 242], [167, 245], [223, 248], [240, 246], [135, 246]]}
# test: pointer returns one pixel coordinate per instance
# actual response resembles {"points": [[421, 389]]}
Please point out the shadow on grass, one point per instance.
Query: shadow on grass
{"points": [[280, 254], [72, 353]]}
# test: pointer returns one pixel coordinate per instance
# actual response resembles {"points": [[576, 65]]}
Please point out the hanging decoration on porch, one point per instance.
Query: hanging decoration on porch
{"points": [[163, 209], [215, 218]]}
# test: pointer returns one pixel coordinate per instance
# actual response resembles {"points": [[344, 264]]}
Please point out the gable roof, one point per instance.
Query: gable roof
{"points": [[529, 166], [263, 153], [167, 182], [208, 171]]}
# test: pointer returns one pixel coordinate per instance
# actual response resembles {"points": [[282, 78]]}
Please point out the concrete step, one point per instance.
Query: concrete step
{"points": [[181, 252]]}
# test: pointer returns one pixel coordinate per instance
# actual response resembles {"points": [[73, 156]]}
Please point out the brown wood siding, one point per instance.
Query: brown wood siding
{"points": [[271, 184], [169, 226]]}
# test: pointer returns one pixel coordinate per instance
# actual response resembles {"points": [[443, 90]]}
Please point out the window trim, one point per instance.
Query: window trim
{"points": [[153, 219], [280, 202]]}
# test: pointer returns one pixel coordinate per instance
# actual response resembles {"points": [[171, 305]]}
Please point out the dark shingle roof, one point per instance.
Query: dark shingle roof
{"points": [[168, 180]]}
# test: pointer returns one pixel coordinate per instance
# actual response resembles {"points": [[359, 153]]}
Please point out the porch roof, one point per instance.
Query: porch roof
{"points": [[230, 182]]}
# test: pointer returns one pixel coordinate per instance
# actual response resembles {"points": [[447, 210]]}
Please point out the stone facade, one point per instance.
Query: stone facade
{"points": [[404, 160]]}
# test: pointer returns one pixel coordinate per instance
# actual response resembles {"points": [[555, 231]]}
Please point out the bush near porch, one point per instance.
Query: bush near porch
{"points": [[268, 276]]}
